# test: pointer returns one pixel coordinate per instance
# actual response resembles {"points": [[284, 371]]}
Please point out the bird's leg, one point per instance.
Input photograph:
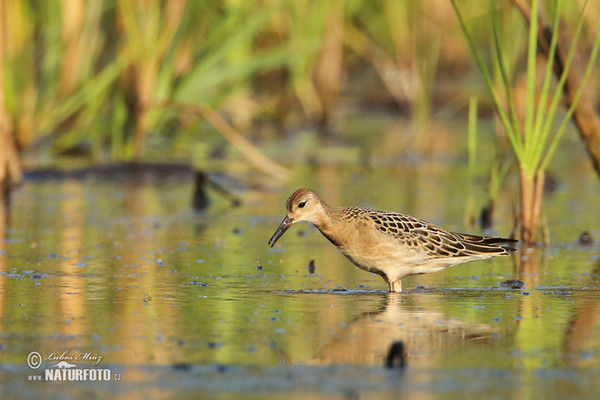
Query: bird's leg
{"points": [[396, 286]]}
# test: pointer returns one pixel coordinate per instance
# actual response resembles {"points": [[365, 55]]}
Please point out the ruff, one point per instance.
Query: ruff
{"points": [[386, 243]]}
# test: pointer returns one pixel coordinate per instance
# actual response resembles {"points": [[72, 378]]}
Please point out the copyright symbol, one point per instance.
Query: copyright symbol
{"points": [[34, 360]]}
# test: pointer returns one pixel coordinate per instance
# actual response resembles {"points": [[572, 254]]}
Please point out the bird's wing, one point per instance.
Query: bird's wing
{"points": [[424, 236]]}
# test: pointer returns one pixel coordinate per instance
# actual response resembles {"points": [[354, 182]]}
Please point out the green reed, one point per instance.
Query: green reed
{"points": [[535, 138]]}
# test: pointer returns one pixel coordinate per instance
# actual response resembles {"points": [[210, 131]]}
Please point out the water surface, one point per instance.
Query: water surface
{"points": [[181, 303]]}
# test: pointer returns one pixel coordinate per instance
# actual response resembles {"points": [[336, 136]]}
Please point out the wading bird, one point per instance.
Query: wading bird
{"points": [[386, 243]]}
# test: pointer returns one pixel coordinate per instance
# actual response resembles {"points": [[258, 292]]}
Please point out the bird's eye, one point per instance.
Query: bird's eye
{"points": [[301, 204]]}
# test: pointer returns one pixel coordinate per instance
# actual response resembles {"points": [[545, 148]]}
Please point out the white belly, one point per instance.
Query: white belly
{"points": [[398, 263]]}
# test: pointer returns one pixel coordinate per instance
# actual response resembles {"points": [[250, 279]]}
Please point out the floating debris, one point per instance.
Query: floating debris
{"points": [[200, 199], [396, 356], [81, 264], [560, 291], [513, 284], [181, 367], [486, 216], [198, 283], [259, 267], [311, 267], [350, 394], [339, 289], [551, 183], [586, 239], [221, 368]]}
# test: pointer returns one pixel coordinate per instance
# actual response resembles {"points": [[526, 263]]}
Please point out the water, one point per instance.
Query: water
{"points": [[179, 304]]}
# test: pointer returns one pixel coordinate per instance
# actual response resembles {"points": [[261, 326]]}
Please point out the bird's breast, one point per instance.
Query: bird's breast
{"points": [[332, 239]]}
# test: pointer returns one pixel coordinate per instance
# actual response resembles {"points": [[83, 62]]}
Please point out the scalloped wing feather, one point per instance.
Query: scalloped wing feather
{"points": [[436, 242]]}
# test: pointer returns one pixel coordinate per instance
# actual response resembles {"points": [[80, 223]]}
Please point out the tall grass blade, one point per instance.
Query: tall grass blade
{"points": [[510, 132], [530, 108], [472, 135], [472, 154], [542, 105], [501, 66]]}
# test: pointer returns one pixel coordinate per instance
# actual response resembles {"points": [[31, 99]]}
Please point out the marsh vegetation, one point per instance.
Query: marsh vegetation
{"points": [[147, 148]]}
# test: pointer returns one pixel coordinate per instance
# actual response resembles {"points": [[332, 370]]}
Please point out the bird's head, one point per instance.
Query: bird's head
{"points": [[302, 205]]}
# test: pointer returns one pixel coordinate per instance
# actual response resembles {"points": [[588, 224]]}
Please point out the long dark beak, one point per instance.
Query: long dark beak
{"points": [[285, 224]]}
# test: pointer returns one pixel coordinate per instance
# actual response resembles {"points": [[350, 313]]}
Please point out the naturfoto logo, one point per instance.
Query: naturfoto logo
{"points": [[63, 367]]}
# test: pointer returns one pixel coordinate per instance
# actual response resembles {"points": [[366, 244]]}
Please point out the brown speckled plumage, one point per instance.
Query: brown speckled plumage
{"points": [[390, 244]]}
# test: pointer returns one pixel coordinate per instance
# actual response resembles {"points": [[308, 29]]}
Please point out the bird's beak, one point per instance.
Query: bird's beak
{"points": [[285, 224]]}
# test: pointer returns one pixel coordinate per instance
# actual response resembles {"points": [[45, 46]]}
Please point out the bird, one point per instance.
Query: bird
{"points": [[387, 243]]}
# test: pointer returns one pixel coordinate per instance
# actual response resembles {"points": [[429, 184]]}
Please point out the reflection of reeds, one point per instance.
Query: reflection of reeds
{"points": [[582, 324], [143, 318], [71, 297], [4, 215]]}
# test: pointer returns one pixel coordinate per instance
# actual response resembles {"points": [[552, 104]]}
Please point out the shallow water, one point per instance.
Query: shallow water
{"points": [[181, 304]]}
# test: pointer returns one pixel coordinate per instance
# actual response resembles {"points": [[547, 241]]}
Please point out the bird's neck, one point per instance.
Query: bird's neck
{"points": [[328, 224]]}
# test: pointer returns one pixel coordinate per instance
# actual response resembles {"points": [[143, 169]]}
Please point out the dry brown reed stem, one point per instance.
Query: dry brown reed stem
{"points": [[236, 139], [148, 51], [10, 165], [328, 71], [585, 114], [383, 64], [72, 23], [252, 154], [532, 193]]}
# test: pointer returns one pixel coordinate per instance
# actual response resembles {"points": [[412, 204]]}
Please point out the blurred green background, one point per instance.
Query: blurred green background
{"points": [[281, 82], [111, 80]]}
